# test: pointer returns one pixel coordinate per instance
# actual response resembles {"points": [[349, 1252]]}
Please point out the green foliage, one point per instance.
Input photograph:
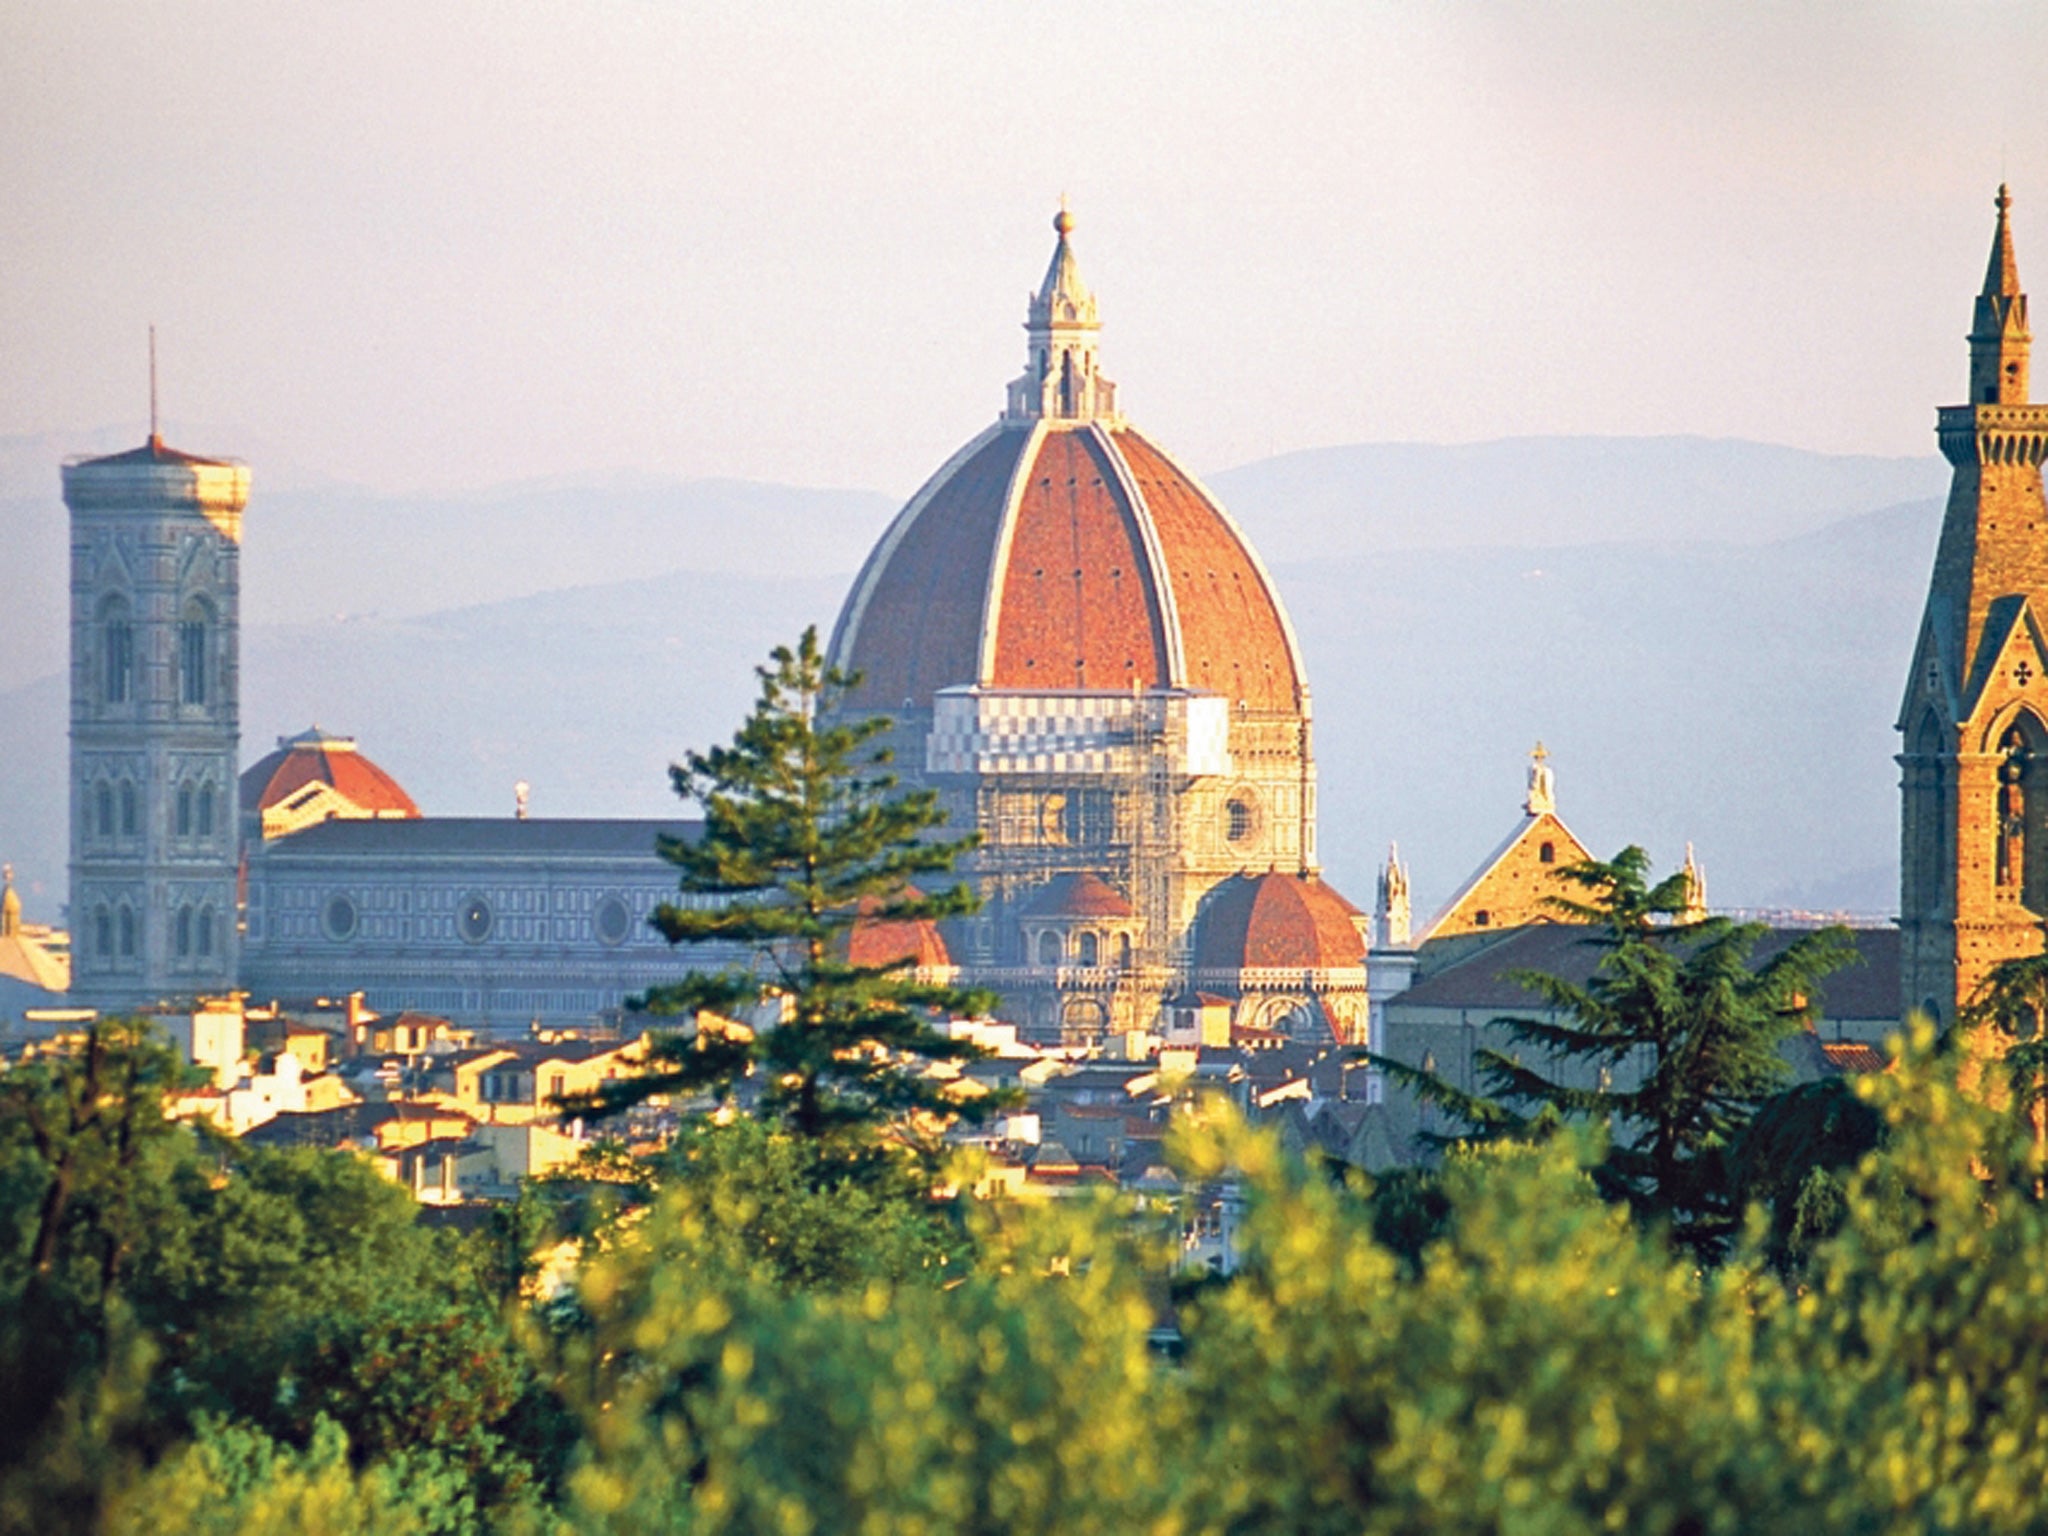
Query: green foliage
{"points": [[235, 1481], [805, 833], [182, 1278], [1019, 1396], [1681, 999]]}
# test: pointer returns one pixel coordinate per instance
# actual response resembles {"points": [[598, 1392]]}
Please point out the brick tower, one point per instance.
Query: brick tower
{"points": [[155, 588], [1973, 877]]}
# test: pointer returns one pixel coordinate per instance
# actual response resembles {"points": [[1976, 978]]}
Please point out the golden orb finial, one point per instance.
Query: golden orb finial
{"points": [[1063, 221], [2004, 198]]}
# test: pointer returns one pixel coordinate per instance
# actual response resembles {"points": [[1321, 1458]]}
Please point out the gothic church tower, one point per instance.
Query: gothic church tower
{"points": [[1974, 787], [155, 591]]}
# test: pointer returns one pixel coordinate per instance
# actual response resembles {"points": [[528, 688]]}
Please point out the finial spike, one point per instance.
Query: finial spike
{"points": [[155, 439]]}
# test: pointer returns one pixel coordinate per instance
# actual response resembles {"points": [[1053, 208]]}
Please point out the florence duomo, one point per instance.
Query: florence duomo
{"points": [[837, 769]]}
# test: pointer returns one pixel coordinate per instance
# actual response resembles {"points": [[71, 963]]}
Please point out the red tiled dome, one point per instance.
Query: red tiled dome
{"points": [[1063, 551], [1282, 921], [315, 757], [880, 941], [1079, 895]]}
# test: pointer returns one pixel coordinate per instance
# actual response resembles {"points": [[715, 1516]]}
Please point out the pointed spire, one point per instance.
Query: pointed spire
{"points": [[1999, 339], [2002, 276], [1695, 889], [1542, 799], [1062, 377], [10, 903], [1393, 920]]}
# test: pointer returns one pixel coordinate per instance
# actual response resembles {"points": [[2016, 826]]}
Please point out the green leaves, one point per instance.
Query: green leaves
{"points": [[806, 838]]}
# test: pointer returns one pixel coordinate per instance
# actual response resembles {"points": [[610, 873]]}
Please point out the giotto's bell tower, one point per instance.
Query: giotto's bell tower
{"points": [[155, 608]]}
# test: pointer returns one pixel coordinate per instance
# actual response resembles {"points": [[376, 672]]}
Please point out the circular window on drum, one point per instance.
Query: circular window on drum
{"points": [[612, 920], [338, 918], [474, 919], [1240, 821]]}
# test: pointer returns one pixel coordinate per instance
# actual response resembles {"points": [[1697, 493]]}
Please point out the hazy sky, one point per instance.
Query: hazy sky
{"points": [[421, 243]]}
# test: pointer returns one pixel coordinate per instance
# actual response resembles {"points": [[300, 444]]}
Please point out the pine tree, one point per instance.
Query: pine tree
{"points": [[1681, 999], [806, 834]]}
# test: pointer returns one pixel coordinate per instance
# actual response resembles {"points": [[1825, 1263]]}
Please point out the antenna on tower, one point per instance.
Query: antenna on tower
{"points": [[155, 441]]}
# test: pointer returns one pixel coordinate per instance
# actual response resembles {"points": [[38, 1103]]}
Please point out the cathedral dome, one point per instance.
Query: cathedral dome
{"points": [[1062, 551], [1280, 922], [316, 777]]}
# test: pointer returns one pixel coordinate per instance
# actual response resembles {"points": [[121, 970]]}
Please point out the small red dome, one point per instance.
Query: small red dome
{"points": [[313, 757], [1079, 895], [1292, 922], [877, 941]]}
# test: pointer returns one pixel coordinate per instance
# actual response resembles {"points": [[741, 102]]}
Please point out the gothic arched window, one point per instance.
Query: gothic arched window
{"points": [[204, 937], [117, 652], [195, 645], [127, 925], [103, 932], [184, 932], [184, 810], [131, 820], [206, 810], [103, 808]]}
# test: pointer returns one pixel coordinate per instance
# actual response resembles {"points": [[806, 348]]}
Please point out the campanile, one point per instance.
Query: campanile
{"points": [[1974, 782]]}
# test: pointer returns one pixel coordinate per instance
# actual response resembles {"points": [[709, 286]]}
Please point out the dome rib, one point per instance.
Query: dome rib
{"points": [[999, 563], [1217, 622], [1155, 558]]}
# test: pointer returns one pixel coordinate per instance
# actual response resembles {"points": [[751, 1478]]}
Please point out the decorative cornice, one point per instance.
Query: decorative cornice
{"points": [[1993, 434]]}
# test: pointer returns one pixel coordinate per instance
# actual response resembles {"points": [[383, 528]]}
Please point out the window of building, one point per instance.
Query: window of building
{"points": [[194, 645], [131, 819], [204, 936], [612, 921], [103, 933], [127, 925], [1547, 854], [339, 917], [117, 653], [474, 921], [206, 810], [1090, 949], [1481, 918], [1239, 815], [558, 1085], [1049, 949], [103, 808], [183, 930], [184, 810]]}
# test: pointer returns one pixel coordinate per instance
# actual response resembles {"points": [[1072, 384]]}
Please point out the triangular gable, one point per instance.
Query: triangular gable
{"points": [[1931, 682], [1513, 886], [2012, 640]]}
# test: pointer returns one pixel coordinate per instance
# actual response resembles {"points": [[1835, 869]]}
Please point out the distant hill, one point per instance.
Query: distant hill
{"points": [[1737, 696], [1546, 492], [1726, 671]]}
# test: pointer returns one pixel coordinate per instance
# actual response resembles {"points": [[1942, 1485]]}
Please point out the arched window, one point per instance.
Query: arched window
{"points": [[206, 810], [117, 652], [204, 937], [195, 646], [2021, 851], [103, 808], [1547, 854], [1239, 815], [1090, 949], [1123, 950], [103, 933], [131, 820], [127, 924], [184, 810], [1049, 949], [183, 942]]}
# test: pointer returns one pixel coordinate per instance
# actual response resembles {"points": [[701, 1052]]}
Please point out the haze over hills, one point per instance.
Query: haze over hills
{"points": [[1711, 641]]}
